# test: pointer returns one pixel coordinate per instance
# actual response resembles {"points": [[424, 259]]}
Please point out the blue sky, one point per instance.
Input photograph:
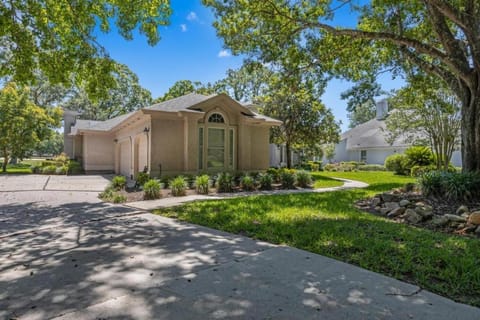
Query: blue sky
{"points": [[190, 50]]}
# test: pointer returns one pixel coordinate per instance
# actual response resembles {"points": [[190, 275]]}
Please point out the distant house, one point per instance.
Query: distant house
{"points": [[278, 156], [190, 134], [367, 141]]}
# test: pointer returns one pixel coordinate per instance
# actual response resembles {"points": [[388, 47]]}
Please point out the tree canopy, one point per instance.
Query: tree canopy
{"points": [[22, 123], [436, 37], [60, 38], [427, 113], [125, 96]]}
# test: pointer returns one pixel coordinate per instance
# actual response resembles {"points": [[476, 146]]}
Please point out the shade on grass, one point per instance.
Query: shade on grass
{"points": [[328, 224]]}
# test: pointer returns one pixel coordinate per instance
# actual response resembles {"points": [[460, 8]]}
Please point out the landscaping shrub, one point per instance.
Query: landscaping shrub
{"points": [[315, 166], [419, 156], [202, 183], [119, 182], [36, 168], [371, 167], [179, 186], [61, 170], [287, 178], [397, 163], [224, 182], [304, 179], [265, 181], [107, 194], [165, 181], [248, 183], [451, 185], [190, 181], [62, 159], [142, 177], [237, 177], [151, 189], [254, 175], [274, 173], [119, 198], [74, 167], [49, 169], [330, 167]]}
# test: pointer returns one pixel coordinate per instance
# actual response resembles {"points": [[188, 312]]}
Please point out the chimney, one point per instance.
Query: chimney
{"points": [[382, 109]]}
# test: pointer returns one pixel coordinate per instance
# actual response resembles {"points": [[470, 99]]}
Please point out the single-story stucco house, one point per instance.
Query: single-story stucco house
{"points": [[189, 134], [367, 142]]}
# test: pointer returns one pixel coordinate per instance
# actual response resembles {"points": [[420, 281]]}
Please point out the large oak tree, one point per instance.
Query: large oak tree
{"points": [[59, 37], [437, 37]]}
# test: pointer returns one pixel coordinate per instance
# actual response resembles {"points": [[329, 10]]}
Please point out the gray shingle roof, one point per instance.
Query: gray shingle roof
{"points": [[371, 134], [183, 103], [180, 103], [100, 125]]}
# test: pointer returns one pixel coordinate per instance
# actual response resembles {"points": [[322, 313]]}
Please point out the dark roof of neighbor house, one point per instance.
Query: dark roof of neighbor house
{"points": [[371, 134], [183, 103]]}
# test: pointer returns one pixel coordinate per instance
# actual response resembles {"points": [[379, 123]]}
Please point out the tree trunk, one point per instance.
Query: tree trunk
{"points": [[5, 161], [471, 131], [289, 155]]}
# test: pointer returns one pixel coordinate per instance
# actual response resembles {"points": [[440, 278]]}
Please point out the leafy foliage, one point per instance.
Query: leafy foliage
{"points": [[202, 184], [60, 38], [119, 182], [224, 182], [265, 180], [125, 95], [397, 163], [410, 38], [304, 179], [288, 179], [22, 124], [426, 113], [452, 185], [151, 190], [142, 177], [247, 183], [178, 186]]}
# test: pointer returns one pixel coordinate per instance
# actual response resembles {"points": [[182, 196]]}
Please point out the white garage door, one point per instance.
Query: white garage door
{"points": [[125, 158]]}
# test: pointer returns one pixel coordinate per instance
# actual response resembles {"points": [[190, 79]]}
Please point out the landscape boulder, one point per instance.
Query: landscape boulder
{"points": [[474, 218]]}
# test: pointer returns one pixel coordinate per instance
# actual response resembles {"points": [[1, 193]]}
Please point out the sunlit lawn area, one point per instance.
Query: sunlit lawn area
{"points": [[328, 224], [20, 168], [322, 181]]}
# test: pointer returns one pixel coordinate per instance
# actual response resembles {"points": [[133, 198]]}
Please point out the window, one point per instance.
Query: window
{"points": [[216, 148], [231, 148], [363, 155], [216, 118], [200, 148]]}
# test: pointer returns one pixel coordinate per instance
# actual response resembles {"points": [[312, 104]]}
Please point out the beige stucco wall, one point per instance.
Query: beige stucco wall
{"points": [[167, 146], [132, 146], [172, 142], [98, 152]]}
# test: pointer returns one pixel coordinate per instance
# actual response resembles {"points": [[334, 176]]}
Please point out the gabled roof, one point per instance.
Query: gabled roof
{"points": [[371, 134], [184, 103], [181, 103], [94, 125]]}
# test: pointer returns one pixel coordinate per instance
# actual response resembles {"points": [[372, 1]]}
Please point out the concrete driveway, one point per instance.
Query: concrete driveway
{"points": [[65, 255]]}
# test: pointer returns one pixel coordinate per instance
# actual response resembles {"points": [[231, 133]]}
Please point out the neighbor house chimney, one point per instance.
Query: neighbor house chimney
{"points": [[382, 109]]}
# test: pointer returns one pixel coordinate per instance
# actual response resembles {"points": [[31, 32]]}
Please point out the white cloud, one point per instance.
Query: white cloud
{"points": [[224, 54], [183, 27], [192, 16]]}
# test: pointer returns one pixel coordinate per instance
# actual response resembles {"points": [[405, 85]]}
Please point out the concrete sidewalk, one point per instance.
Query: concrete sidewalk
{"points": [[175, 201]]}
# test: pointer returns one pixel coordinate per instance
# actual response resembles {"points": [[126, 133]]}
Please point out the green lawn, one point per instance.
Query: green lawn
{"points": [[20, 168], [328, 224], [321, 181]]}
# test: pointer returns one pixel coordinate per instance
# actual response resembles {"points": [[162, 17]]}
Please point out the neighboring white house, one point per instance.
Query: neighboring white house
{"points": [[278, 156], [367, 142]]}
